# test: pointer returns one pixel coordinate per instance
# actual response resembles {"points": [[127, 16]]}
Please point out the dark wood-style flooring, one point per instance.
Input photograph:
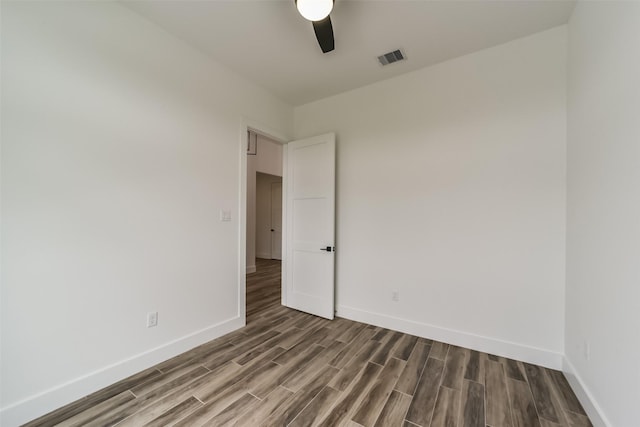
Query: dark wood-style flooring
{"points": [[287, 368]]}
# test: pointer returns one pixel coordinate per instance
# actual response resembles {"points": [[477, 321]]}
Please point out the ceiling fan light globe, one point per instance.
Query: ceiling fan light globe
{"points": [[314, 10]]}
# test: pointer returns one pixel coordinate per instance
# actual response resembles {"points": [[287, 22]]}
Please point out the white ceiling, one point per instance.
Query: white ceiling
{"points": [[268, 42]]}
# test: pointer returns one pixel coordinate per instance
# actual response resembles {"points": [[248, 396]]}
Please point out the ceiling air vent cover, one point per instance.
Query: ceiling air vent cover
{"points": [[391, 57]]}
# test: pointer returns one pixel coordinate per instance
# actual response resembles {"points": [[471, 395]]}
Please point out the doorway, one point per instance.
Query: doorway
{"points": [[263, 229], [306, 271], [268, 216]]}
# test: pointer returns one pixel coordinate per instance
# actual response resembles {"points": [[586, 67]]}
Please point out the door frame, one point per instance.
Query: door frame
{"points": [[282, 138], [281, 212]]}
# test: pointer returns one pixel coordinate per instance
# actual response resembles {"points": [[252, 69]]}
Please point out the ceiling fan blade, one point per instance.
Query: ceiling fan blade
{"points": [[324, 34]]}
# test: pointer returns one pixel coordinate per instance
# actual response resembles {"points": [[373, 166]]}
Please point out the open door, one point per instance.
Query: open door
{"points": [[310, 225], [276, 220]]}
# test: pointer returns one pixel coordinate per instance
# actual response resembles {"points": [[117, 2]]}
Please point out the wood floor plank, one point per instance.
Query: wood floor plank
{"points": [[350, 398], [405, 347], [216, 405], [351, 350], [351, 333], [153, 403], [159, 400], [424, 399], [445, 413], [280, 340], [313, 338], [497, 398], [318, 364], [314, 411], [310, 322], [261, 366], [350, 372], [425, 341], [374, 401], [394, 410], [384, 353], [439, 350], [176, 413], [266, 374], [299, 400], [454, 368], [212, 379], [189, 356], [513, 369], [96, 411], [472, 410], [231, 413], [577, 420], [546, 423], [567, 397], [264, 409], [340, 324], [218, 359], [170, 380], [524, 410], [293, 337], [381, 334], [286, 372], [542, 394], [413, 369], [473, 370]]}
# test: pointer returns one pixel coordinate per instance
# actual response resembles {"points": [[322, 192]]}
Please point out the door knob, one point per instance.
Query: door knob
{"points": [[328, 249]]}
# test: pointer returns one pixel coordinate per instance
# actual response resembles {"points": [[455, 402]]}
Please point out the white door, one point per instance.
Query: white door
{"points": [[310, 218], [276, 220]]}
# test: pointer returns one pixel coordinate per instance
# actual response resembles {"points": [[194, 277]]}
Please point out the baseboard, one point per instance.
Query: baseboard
{"points": [[590, 405], [251, 269], [56, 397], [517, 351], [263, 255]]}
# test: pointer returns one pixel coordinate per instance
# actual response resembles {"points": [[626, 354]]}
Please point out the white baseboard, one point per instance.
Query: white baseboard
{"points": [[512, 350], [46, 401], [251, 269], [263, 255], [590, 405]]}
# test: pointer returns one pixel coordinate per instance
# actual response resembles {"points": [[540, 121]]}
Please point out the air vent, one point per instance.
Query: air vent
{"points": [[391, 57]]}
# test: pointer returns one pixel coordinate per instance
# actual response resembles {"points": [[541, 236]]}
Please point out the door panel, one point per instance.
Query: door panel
{"points": [[310, 213], [310, 221]]}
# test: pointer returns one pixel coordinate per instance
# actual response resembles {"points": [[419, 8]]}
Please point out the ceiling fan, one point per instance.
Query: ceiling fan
{"points": [[317, 11]]}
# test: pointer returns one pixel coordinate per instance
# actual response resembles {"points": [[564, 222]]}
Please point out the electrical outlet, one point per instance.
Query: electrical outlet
{"points": [[225, 215], [395, 296], [152, 319]]}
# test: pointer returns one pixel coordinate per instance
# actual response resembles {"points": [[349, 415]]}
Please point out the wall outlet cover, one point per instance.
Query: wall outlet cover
{"points": [[152, 319]]}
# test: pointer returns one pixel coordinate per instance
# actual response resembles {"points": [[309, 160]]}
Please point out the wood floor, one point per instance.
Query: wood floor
{"points": [[288, 368]]}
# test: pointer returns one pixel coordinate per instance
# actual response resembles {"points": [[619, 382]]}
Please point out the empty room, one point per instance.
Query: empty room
{"points": [[320, 213]]}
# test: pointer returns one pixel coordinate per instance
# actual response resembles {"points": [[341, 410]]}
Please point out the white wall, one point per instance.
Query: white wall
{"points": [[451, 190], [269, 156], [603, 210], [263, 213], [268, 159], [120, 144]]}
